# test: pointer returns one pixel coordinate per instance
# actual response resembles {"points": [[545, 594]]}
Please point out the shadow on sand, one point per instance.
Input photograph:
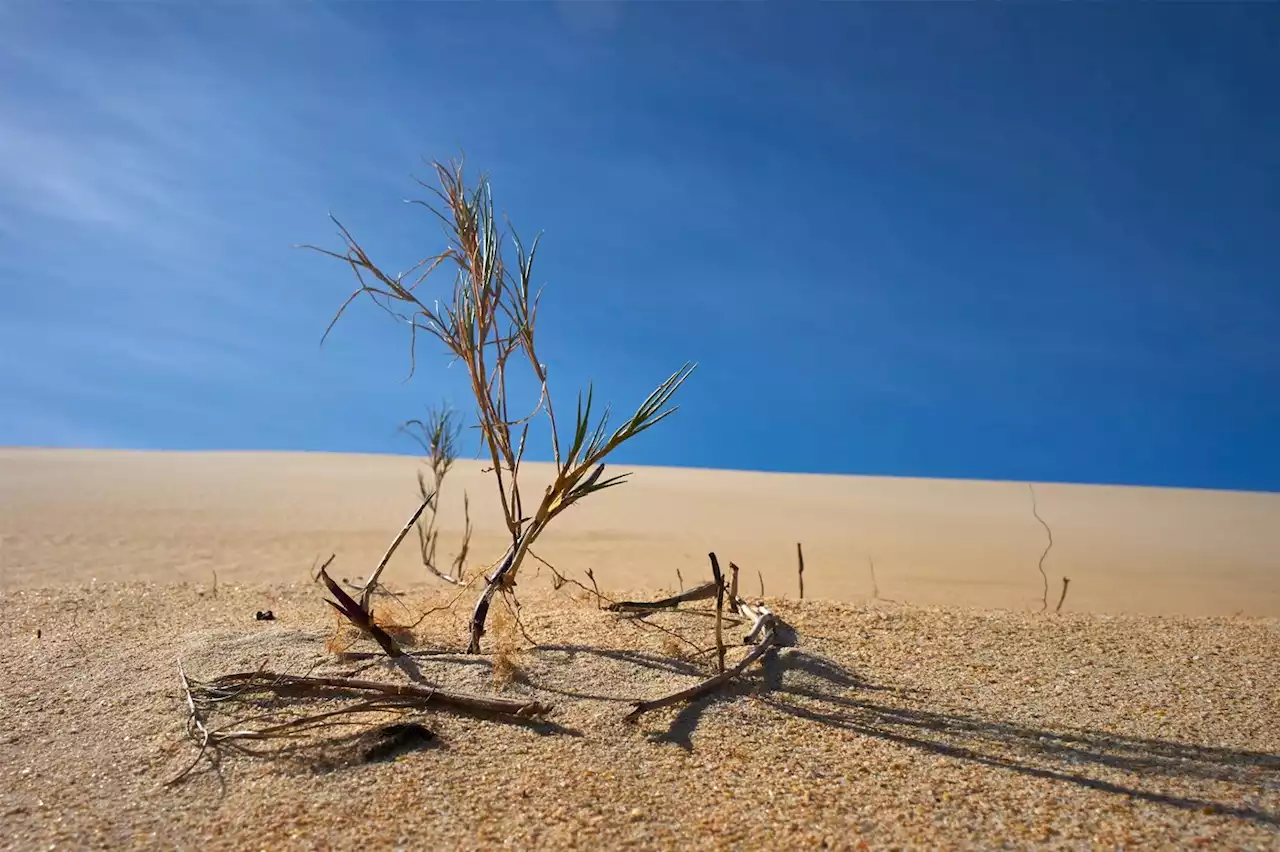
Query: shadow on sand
{"points": [[817, 690]]}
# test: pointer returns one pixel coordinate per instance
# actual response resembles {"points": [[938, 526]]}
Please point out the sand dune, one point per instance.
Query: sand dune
{"points": [[937, 719], [67, 517]]}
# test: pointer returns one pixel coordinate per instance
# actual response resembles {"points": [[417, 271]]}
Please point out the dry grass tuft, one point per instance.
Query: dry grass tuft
{"points": [[506, 631]]}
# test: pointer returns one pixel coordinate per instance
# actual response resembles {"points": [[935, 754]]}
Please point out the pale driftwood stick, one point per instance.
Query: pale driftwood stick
{"points": [[419, 694], [698, 593], [766, 622], [372, 583], [800, 559], [1065, 582], [719, 581], [733, 588]]}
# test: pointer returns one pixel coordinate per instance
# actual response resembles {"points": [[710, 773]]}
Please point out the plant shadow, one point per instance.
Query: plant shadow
{"points": [[823, 692]]}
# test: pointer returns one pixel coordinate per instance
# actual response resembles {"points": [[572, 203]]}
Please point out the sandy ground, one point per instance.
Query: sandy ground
{"points": [[953, 716]]}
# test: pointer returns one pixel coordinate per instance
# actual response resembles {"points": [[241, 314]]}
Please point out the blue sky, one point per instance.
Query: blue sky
{"points": [[1015, 241]]}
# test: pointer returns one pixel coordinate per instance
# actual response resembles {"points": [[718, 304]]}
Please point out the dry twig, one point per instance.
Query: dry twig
{"points": [[733, 589], [1045, 577], [719, 581], [366, 593], [1065, 582], [698, 593], [765, 631]]}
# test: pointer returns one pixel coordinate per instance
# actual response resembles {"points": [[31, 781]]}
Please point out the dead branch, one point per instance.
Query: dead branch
{"points": [[481, 612], [761, 576], [1065, 582], [875, 587], [599, 597], [242, 683], [1045, 577], [718, 578], [258, 687], [766, 627], [315, 574], [366, 594], [699, 593], [800, 559], [733, 589]]}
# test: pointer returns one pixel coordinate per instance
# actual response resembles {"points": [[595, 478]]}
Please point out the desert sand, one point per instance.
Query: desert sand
{"points": [[934, 707]]}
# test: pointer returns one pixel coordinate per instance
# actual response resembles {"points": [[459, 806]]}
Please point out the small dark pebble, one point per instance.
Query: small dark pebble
{"points": [[265, 616], [396, 739]]}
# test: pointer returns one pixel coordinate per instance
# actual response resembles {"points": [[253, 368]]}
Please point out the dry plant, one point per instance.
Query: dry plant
{"points": [[488, 322], [1035, 510], [1066, 581], [438, 436], [506, 646], [767, 632], [264, 719]]}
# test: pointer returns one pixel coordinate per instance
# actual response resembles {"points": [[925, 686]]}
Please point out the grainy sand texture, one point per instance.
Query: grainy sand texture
{"points": [[934, 708]]}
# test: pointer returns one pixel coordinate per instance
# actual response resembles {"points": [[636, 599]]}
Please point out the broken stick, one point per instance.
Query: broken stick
{"points": [[766, 627], [698, 593], [719, 581], [366, 594], [733, 589]]}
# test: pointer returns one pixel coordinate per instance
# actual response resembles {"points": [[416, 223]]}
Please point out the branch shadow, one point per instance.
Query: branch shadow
{"points": [[816, 690]]}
